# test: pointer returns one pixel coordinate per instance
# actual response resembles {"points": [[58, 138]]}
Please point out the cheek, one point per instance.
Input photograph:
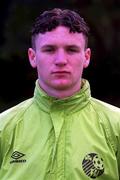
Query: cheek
{"points": [[43, 68], [77, 63], [40, 61], [44, 60], [77, 67]]}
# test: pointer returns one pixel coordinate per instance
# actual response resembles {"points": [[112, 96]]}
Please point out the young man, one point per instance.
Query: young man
{"points": [[62, 133]]}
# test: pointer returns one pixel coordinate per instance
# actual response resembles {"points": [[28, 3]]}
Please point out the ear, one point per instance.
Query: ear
{"points": [[32, 57], [87, 57]]}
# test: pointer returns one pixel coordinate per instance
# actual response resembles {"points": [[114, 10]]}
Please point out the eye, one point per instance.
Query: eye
{"points": [[48, 50], [73, 50]]}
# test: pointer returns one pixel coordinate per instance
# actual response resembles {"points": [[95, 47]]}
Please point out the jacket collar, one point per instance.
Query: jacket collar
{"points": [[69, 104]]}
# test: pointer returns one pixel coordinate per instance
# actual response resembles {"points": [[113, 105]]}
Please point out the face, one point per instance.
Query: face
{"points": [[60, 57]]}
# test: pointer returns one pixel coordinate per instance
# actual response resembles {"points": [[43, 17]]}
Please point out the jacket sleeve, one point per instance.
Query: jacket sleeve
{"points": [[7, 124]]}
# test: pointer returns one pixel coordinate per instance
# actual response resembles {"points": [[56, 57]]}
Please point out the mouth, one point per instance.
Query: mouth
{"points": [[60, 72]]}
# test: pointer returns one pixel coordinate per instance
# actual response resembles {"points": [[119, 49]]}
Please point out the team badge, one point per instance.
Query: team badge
{"points": [[93, 165]]}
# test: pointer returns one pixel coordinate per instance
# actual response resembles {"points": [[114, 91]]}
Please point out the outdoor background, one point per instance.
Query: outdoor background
{"points": [[17, 78]]}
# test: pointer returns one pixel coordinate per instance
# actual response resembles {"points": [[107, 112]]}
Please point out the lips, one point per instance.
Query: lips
{"points": [[60, 72]]}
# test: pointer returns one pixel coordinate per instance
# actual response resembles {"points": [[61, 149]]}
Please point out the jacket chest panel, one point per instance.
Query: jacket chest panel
{"points": [[81, 150]]}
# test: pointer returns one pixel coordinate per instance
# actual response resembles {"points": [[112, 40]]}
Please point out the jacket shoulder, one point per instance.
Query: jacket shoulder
{"points": [[109, 117], [14, 113], [105, 108], [107, 112]]}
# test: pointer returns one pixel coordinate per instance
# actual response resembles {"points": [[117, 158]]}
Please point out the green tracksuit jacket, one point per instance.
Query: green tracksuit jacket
{"points": [[76, 138]]}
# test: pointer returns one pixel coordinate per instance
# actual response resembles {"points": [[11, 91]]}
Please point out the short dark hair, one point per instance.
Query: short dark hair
{"points": [[49, 20]]}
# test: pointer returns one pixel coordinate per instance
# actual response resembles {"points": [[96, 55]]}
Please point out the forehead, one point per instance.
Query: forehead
{"points": [[60, 36]]}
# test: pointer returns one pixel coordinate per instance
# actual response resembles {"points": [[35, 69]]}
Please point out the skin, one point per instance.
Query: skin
{"points": [[60, 57]]}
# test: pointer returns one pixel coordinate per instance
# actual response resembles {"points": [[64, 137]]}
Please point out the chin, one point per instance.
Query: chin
{"points": [[61, 86]]}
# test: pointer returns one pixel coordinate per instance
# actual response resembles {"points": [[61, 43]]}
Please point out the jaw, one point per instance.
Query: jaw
{"points": [[60, 88]]}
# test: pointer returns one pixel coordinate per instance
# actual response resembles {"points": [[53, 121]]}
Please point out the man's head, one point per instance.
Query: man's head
{"points": [[49, 20], [59, 51]]}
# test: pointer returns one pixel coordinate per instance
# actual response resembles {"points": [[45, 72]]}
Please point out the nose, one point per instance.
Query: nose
{"points": [[60, 58]]}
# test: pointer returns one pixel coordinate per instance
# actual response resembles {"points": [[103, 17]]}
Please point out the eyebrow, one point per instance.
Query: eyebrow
{"points": [[47, 46], [55, 46], [73, 46]]}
